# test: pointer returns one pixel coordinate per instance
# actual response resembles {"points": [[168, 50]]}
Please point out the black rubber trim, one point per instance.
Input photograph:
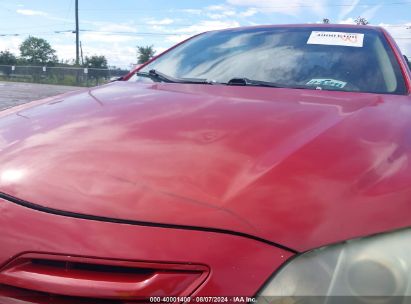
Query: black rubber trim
{"points": [[76, 215]]}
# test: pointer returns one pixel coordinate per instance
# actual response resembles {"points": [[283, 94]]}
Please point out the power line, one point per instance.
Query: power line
{"points": [[137, 33], [146, 33], [124, 33], [69, 11], [114, 33], [334, 5], [405, 26], [92, 31], [67, 24], [257, 7], [35, 27]]}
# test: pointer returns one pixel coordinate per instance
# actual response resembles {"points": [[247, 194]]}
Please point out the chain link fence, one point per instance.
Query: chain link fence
{"points": [[71, 76]]}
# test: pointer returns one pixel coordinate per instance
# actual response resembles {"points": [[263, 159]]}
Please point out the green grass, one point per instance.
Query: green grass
{"points": [[67, 80]]}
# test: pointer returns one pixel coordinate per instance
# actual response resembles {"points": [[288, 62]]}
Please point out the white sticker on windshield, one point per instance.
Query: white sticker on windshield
{"points": [[327, 82], [336, 38]]}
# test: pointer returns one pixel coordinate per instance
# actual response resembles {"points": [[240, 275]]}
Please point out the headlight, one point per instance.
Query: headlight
{"points": [[368, 270]]}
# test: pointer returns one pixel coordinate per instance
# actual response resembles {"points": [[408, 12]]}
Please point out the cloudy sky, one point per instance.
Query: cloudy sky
{"points": [[115, 28]]}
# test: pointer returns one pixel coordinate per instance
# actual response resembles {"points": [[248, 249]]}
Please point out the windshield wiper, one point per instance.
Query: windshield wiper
{"points": [[260, 83], [251, 82], [160, 77]]}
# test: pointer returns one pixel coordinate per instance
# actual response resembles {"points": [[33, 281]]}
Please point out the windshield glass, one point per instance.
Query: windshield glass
{"points": [[310, 57]]}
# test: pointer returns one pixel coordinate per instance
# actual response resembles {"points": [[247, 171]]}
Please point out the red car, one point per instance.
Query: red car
{"points": [[262, 164]]}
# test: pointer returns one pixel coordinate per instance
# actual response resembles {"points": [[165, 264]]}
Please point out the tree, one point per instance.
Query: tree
{"points": [[326, 20], [67, 62], [35, 50], [145, 53], [96, 62], [7, 58], [361, 21]]}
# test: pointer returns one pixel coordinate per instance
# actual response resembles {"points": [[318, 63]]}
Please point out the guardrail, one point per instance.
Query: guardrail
{"points": [[59, 75]]}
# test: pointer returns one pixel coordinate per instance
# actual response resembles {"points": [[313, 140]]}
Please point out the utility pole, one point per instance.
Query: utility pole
{"points": [[77, 37]]}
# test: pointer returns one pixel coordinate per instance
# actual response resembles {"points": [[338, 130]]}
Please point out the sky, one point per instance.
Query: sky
{"points": [[115, 28]]}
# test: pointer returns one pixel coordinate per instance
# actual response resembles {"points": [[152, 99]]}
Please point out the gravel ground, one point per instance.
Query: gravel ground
{"points": [[15, 93]]}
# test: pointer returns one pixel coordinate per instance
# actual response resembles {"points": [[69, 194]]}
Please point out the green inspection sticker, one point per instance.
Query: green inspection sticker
{"points": [[327, 82]]}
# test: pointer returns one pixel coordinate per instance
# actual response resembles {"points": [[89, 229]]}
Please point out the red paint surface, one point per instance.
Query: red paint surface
{"points": [[301, 168]]}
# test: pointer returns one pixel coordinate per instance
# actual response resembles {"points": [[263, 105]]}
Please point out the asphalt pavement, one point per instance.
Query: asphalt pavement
{"points": [[16, 93]]}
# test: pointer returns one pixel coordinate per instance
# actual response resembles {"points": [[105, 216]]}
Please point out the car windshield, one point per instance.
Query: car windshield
{"points": [[344, 59]]}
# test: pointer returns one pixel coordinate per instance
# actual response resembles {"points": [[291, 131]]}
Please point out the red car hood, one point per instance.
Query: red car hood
{"points": [[301, 168]]}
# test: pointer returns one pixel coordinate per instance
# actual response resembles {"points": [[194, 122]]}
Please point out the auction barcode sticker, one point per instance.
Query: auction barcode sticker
{"points": [[336, 38]]}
